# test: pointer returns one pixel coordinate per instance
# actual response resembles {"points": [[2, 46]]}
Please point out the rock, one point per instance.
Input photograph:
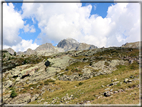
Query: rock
{"points": [[115, 92], [84, 46], [120, 90], [34, 97], [102, 86], [8, 83], [131, 61], [107, 94], [60, 63], [18, 79], [107, 89], [28, 72], [30, 52], [10, 50], [21, 99], [126, 80], [129, 80], [31, 88], [131, 76], [68, 44], [46, 48]]}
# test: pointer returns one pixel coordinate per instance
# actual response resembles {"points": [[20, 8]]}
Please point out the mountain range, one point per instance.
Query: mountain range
{"points": [[64, 45]]}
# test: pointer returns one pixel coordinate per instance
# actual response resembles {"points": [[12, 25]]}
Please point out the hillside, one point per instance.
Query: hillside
{"points": [[93, 76]]}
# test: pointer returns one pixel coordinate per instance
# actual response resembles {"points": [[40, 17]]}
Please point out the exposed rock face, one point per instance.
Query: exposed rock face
{"points": [[10, 50], [84, 46], [72, 44], [97, 68], [132, 45], [30, 52], [68, 44], [21, 99], [48, 47]]}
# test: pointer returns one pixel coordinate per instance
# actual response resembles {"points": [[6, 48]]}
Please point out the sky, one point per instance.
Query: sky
{"points": [[28, 25]]}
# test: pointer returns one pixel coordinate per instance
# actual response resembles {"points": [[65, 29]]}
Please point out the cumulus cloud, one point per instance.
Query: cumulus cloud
{"points": [[23, 45], [60, 21], [28, 28], [12, 22]]}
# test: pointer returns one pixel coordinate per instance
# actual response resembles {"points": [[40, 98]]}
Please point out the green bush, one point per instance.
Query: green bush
{"points": [[80, 83], [14, 53], [13, 93]]}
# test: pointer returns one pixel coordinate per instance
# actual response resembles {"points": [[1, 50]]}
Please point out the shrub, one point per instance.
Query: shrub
{"points": [[80, 83], [14, 53], [13, 93], [4, 56]]}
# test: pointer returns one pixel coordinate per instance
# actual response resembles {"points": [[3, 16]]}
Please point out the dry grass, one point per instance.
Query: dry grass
{"points": [[92, 87]]}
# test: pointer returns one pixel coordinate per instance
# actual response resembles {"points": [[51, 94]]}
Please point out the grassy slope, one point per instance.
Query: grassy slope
{"points": [[92, 87]]}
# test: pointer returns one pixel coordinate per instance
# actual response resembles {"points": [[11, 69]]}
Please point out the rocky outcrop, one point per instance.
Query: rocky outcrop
{"points": [[84, 46], [10, 50], [68, 44], [131, 45], [30, 52], [97, 68], [71, 44], [48, 47], [21, 99]]}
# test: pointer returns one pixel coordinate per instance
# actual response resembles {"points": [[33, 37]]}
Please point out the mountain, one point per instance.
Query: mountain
{"points": [[10, 50], [131, 45], [84, 46], [71, 44], [30, 51], [68, 44], [47, 48]]}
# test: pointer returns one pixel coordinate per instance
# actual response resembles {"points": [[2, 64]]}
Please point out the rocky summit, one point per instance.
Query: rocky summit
{"points": [[71, 44], [68, 44], [10, 50], [83, 75]]}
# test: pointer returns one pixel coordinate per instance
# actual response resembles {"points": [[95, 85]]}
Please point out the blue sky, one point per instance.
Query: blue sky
{"points": [[100, 24]]}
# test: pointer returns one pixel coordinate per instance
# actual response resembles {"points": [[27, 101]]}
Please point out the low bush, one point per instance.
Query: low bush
{"points": [[13, 93]]}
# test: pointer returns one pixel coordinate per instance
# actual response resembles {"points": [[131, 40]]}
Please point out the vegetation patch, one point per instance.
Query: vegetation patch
{"points": [[13, 93]]}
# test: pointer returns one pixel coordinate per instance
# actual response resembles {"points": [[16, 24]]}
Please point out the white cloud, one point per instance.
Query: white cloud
{"points": [[28, 28], [60, 21], [126, 17], [23, 45], [12, 22]]}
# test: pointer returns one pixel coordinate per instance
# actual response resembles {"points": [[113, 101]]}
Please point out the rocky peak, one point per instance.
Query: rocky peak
{"points": [[131, 45], [68, 44], [84, 46], [10, 50], [45, 47], [30, 51]]}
